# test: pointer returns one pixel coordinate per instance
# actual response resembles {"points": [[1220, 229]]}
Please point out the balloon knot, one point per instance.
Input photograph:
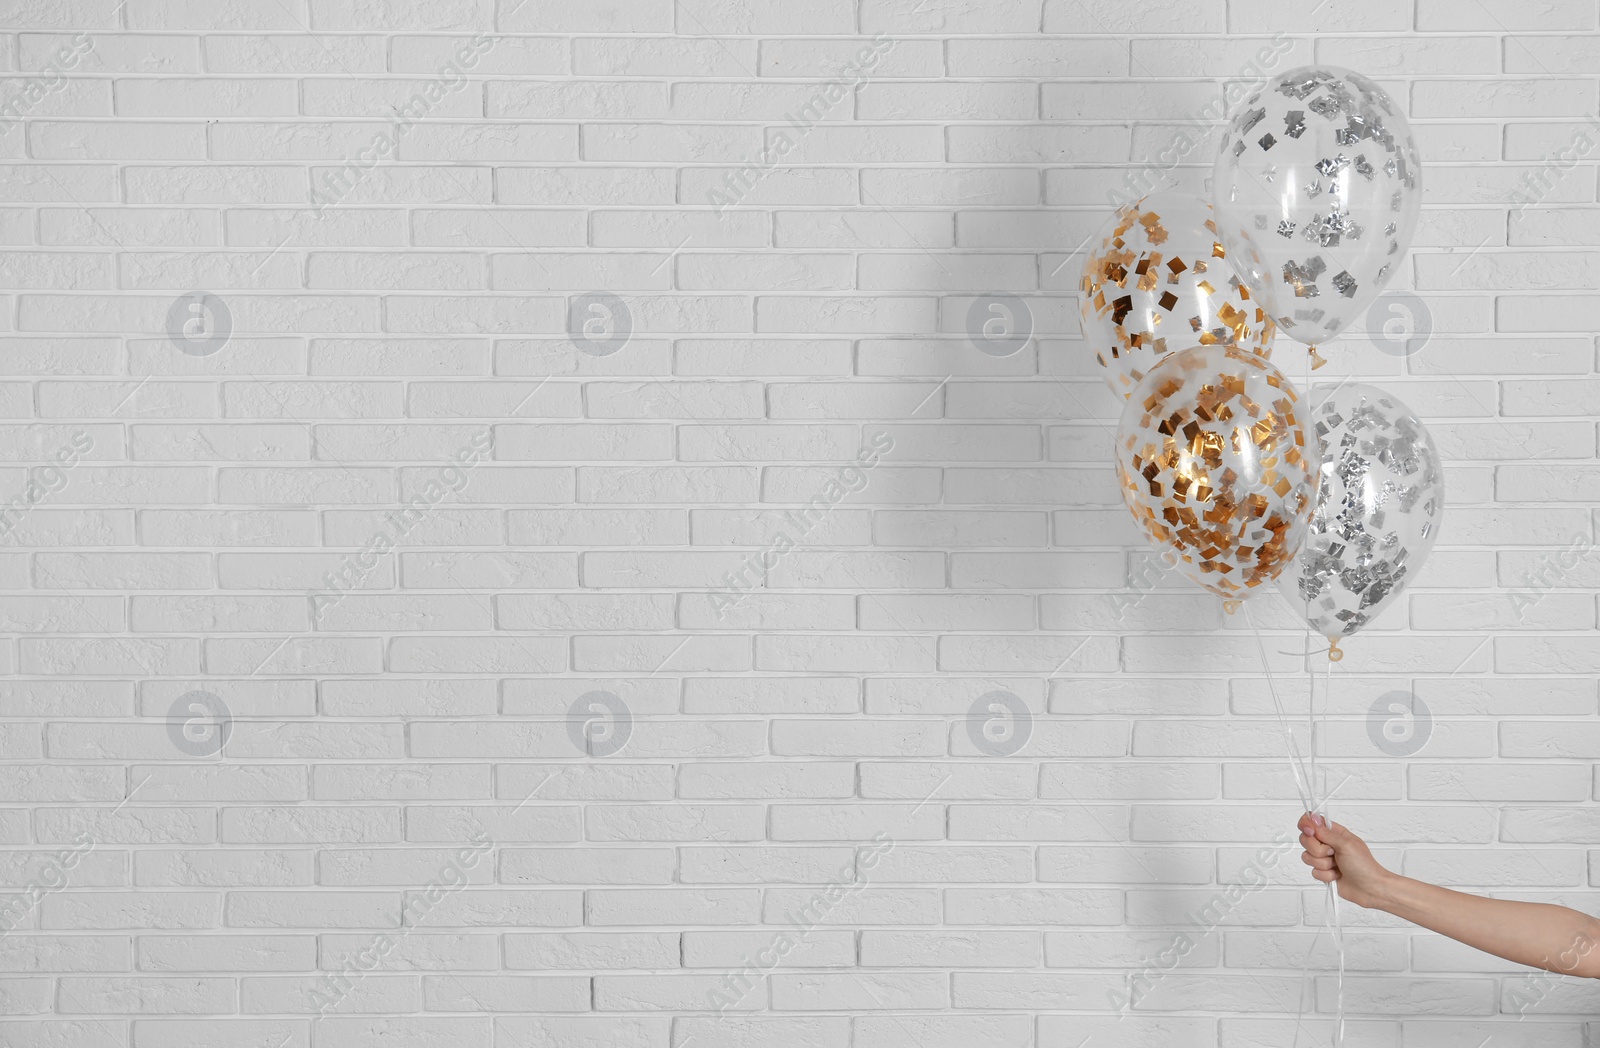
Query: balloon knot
{"points": [[1316, 358], [1231, 606], [1334, 654]]}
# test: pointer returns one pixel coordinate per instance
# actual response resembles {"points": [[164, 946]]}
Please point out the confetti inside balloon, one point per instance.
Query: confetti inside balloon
{"points": [[1318, 190], [1217, 465], [1378, 509], [1156, 282]]}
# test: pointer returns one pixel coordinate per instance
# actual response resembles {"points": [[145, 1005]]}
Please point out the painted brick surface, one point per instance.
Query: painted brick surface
{"points": [[520, 542]]}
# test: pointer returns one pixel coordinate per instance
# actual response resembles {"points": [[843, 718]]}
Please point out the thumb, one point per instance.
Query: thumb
{"points": [[1330, 832]]}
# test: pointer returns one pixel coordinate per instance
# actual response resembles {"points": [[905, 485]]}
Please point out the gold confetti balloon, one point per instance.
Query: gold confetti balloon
{"points": [[1155, 281], [1217, 465]]}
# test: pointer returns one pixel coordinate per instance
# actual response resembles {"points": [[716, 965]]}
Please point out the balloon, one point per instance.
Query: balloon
{"points": [[1157, 282], [1318, 189], [1218, 466], [1377, 513]]}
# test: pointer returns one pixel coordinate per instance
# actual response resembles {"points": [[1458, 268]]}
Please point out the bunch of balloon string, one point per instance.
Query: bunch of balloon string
{"points": [[1332, 501]]}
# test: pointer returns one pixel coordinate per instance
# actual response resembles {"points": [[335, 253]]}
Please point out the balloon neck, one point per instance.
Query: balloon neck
{"points": [[1231, 606], [1334, 654], [1316, 358]]}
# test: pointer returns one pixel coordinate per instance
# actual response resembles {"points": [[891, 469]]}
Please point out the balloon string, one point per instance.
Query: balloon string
{"points": [[1307, 981], [1333, 890], [1311, 723], [1313, 362], [1297, 765]]}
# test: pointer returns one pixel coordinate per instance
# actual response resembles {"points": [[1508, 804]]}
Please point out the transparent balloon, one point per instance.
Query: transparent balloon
{"points": [[1218, 466], [1318, 187], [1156, 282], [1379, 506]]}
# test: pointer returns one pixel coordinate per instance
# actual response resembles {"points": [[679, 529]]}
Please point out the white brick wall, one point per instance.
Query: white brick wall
{"points": [[408, 540]]}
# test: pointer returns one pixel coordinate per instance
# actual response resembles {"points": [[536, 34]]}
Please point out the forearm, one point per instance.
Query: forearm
{"points": [[1541, 936]]}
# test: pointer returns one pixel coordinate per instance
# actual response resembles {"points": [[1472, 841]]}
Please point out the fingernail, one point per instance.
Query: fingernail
{"points": [[1320, 821]]}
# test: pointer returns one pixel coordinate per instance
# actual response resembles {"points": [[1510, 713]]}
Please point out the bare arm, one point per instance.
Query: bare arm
{"points": [[1554, 938]]}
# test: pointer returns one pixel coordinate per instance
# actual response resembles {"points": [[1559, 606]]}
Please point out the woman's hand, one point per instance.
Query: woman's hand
{"points": [[1537, 934], [1336, 854]]}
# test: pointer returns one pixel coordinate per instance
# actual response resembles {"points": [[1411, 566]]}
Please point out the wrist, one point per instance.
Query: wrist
{"points": [[1384, 892]]}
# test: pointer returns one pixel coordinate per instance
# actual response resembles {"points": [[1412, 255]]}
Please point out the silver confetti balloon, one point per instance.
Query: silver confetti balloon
{"points": [[1380, 499], [1318, 190]]}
